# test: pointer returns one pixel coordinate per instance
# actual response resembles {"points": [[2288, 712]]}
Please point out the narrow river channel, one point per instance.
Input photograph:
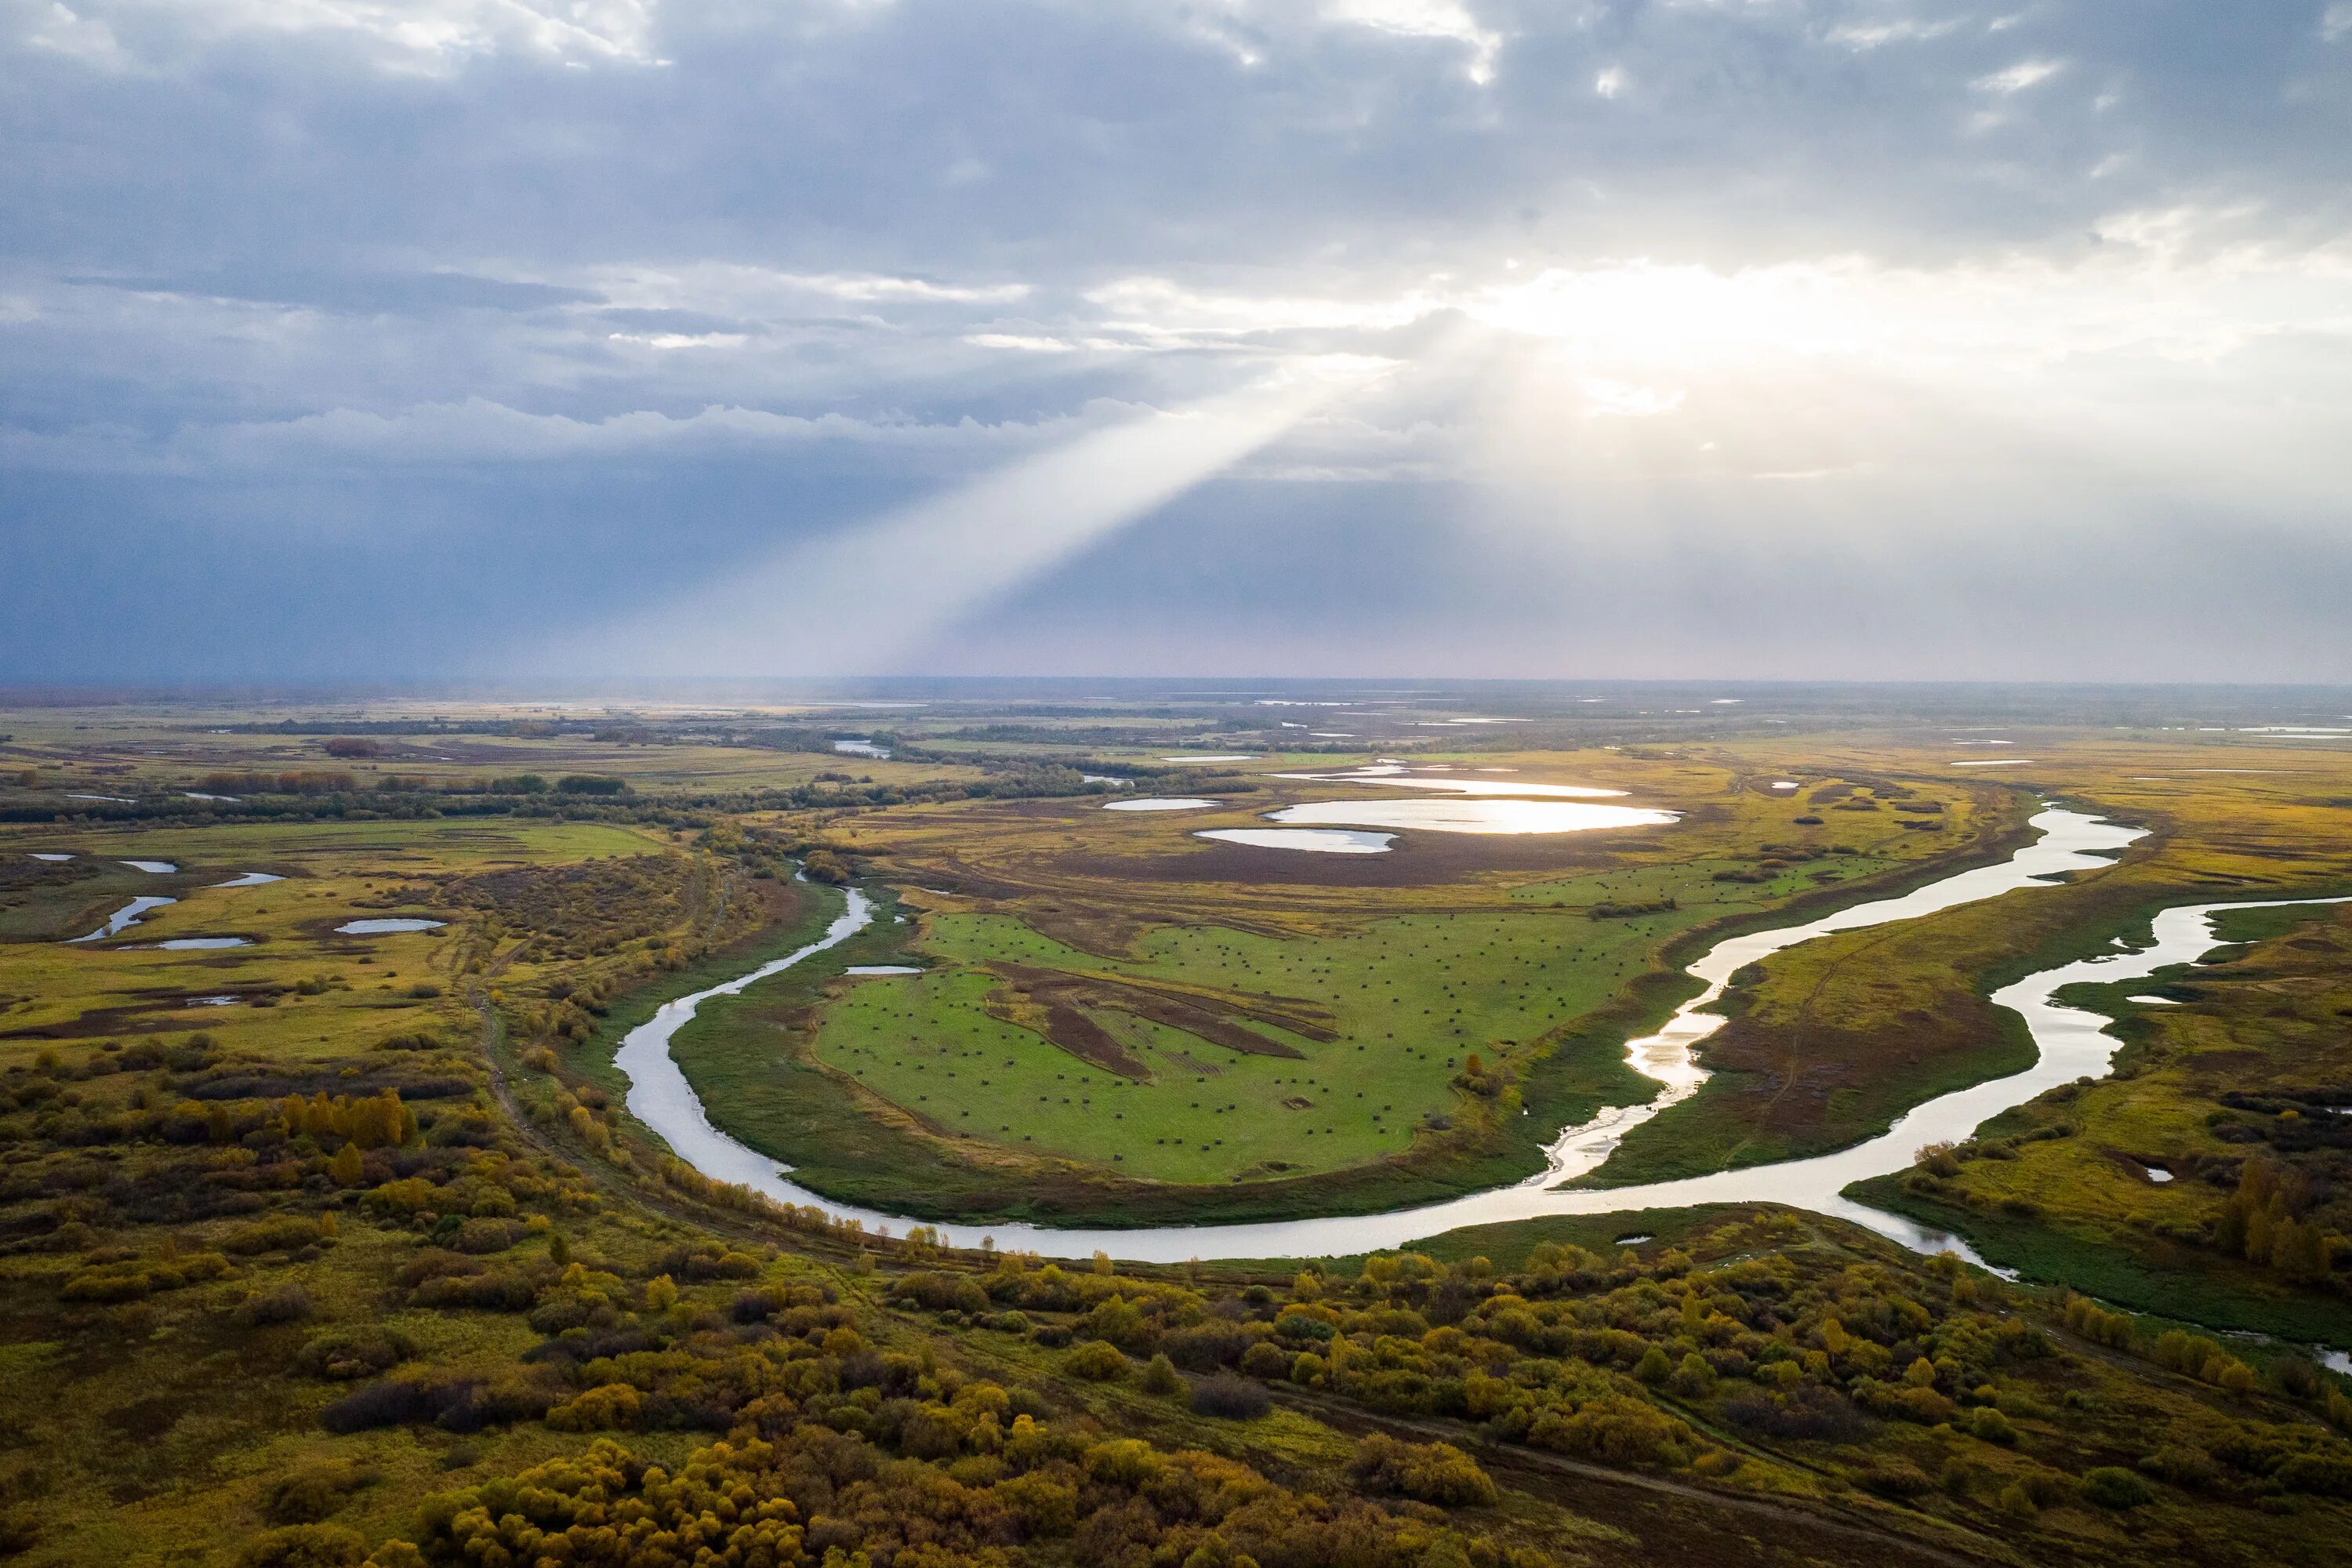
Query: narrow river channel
{"points": [[2071, 1042]]}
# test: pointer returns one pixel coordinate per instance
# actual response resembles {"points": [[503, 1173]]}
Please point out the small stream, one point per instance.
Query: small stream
{"points": [[2072, 1044]]}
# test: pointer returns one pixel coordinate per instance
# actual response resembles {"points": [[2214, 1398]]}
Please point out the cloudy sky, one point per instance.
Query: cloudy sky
{"points": [[415, 339]]}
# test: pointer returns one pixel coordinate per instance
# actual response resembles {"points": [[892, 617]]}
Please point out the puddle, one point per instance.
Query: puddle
{"points": [[1159, 803], [159, 868], [250, 879], [386, 927], [881, 969]]}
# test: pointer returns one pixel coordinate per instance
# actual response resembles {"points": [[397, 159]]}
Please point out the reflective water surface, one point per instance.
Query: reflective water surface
{"points": [[1313, 840], [1477, 815]]}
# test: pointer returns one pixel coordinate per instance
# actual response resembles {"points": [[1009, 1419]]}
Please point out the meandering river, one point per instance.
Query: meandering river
{"points": [[2072, 1044]]}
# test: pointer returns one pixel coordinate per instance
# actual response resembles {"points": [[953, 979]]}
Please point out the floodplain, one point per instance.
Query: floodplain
{"points": [[312, 1245]]}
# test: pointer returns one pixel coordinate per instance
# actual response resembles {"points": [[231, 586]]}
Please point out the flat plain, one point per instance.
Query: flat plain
{"points": [[325, 1247]]}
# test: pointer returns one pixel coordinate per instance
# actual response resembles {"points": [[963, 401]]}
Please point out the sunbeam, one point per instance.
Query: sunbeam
{"points": [[947, 555]]}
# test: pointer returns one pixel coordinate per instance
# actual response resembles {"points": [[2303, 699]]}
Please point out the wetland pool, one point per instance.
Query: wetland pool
{"points": [[122, 918]]}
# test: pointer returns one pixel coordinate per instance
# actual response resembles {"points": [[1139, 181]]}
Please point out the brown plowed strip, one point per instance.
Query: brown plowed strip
{"points": [[1141, 996], [1090, 1042]]}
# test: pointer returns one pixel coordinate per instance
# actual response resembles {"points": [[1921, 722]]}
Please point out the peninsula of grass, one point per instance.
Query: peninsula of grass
{"points": [[935, 1095], [2228, 1081], [1833, 1040]]}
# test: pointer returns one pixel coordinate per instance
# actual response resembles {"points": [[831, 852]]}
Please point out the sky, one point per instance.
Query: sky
{"points": [[460, 340]]}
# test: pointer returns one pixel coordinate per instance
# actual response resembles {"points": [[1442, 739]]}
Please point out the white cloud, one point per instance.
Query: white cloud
{"points": [[1604, 398], [430, 36], [1610, 82], [680, 339], [1861, 37], [480, 430], [2018, 77], [1425, 19], [55, 28], [1021, 343]]}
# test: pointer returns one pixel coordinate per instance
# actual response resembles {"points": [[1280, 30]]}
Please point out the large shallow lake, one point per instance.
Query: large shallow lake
{"points": [[1472, 814], [1315, 840], [1399, 776]]}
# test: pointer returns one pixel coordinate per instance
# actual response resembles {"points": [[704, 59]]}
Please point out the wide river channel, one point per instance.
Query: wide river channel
{"points": [[2072, 1044]]}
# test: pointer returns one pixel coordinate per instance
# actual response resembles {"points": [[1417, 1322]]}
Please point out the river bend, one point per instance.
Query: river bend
{"points": [[2071, 1043]]}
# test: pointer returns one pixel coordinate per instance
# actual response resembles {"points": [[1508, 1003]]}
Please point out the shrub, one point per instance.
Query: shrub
{"points": [[1809, 1412], [344, 1355], [1990, 1426], [2112, 1486], [1614, 1429], [1693, 1378], [481, 1236], [1897, 1478], [306, 1496], [1265, 1359], [615, 1405], [1161, 1377], [1429, 1472], [2323, 1475], [286, 1304], [306, 1546], [1095, 1361], [387, 1403], [280, 1233], [1230, 1398]]}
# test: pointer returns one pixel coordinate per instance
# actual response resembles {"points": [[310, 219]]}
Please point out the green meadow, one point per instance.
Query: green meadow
{"points": [[1411, 999]]}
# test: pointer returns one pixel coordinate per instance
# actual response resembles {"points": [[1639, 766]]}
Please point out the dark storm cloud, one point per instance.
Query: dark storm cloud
{"points": [[330, 275]]}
